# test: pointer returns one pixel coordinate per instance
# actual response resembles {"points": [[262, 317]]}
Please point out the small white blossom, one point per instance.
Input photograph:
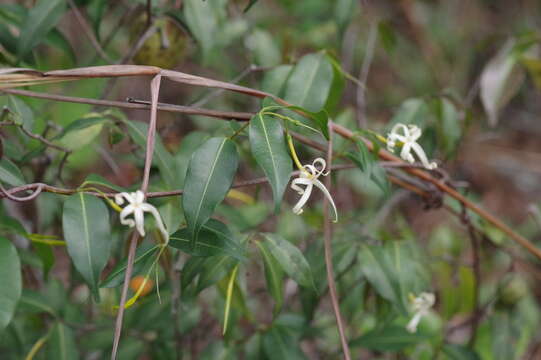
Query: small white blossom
{"points": [[137, 206], [421, 306], [309, 177], [411, 134]]}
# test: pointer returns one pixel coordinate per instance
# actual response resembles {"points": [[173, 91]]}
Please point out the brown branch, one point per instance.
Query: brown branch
{"points": [[135, 105], [124, 295], [327, 233], [13, 77]]}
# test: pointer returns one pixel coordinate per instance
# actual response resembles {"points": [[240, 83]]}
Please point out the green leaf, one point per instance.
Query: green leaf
{"points": [[273, 275], [143, 256], [98, 180], [81, 132], [85, 221], [33, 302], [449, 129], [393, 272], [214, 239], [23, 114], [164, 160], [41, 19], [290, 259], [209, 177], [278, 344], [10, 273], [500, 80], [61, 344], [391, 338], [310, 82], [213, 269], [203, 19], [275, 79], [264, 48], [269, 149], [459, 352], [368, 163], [10, 173]]}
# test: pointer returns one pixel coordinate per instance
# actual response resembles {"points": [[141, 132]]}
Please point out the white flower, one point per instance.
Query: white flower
{"points": [[309, 177], [409, 142], [137, 206], [421, 305]]}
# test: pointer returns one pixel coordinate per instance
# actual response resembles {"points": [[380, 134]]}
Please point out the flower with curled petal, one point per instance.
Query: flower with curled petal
{"points": [[309, 177], [421, 305], [411, 134], [137, 206]]}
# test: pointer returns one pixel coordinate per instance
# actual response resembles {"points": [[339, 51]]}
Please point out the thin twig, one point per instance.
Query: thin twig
{"points": [[327, 231], [135, 105], [89, 33], [127, 276], [62, 191]]}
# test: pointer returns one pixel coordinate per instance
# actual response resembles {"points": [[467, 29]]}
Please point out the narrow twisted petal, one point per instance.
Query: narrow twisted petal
{"points": [[119, 198], [151, 209], [406, 152], [302, 181], [297, 209], [139, 220], [125, 212], [414, 322], [415, 132], [404, 128], [323, 165], [422, 156], [327, 194]]}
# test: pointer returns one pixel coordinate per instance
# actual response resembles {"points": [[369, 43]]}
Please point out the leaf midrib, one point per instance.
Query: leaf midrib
{"points": [[276, 180], [87, 238], [218, 153]]}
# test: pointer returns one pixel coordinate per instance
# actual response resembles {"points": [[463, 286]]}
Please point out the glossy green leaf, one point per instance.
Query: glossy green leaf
{"points": [[290, 259], [143, 256], [10, 273], [207, 270], [188, 146], [310, 82], [85, 221], [268, 146], [10, 173], [279, 344], [209, 177], [81, 132], [163, 159], [41, 19], [390, 338], [214, 239], [61, 344], [273, 275]]}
